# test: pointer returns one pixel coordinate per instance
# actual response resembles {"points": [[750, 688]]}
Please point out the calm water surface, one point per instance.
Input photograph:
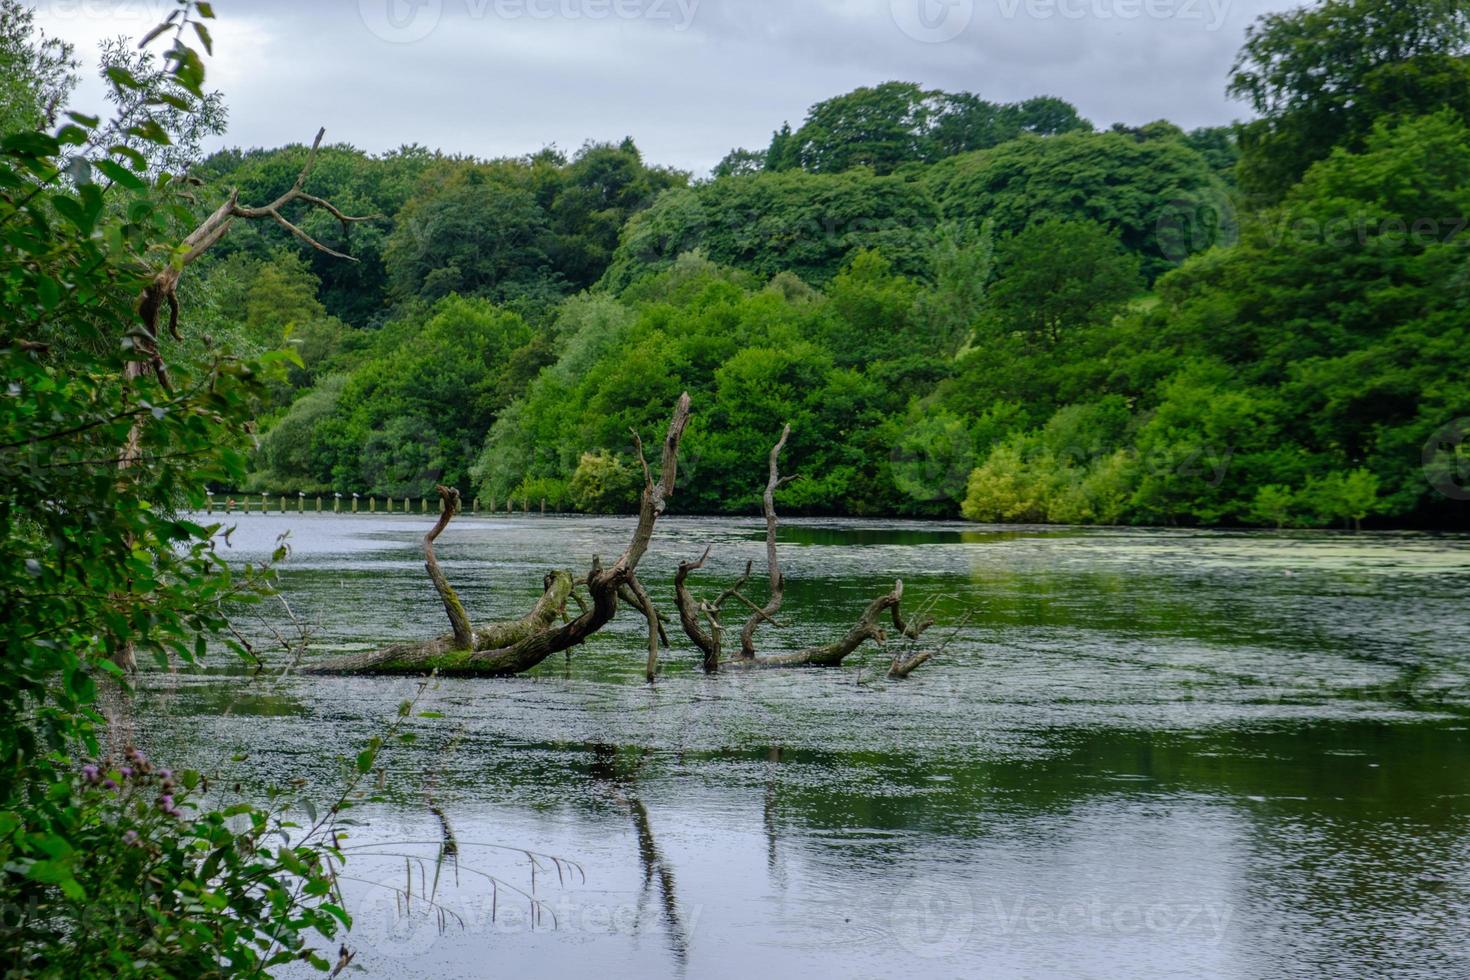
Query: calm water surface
{"points": [[1148, 754]]}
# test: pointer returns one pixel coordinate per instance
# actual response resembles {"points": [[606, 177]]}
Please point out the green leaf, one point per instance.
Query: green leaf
{"points": [[152, 35], [72, 211], [139, 161], [365, 760], [30, 144], [122, 78], [120, 174], [47, 291], [49, 872]]}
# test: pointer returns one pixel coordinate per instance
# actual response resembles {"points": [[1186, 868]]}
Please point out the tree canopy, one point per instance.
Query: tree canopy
{"points": [[1098, 324]]}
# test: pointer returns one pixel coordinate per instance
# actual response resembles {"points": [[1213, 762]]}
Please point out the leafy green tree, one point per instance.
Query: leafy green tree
{"points": [[1217, 144], [595, 195], [740, 162], [885, 127], [359, 183], [959, 269], [1059, 277], [872, 311], [604, 484], [292, 457], [411, 415], [475, 236], [1274, 505], [110, 863], [880, 128], [809, 225], [1349, 299], [1347, 497], [37, 73], [933, 457], [1321, 76], [149, 99], [784, 153], [1006, 488], [1123, 184]]}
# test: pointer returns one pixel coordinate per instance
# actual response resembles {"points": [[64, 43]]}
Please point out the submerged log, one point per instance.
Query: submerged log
{"points": [[447, 654], [868, 627], [505, 649], [710, 641]]}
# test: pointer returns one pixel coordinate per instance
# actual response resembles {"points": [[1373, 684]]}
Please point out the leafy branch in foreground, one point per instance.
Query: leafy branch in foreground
{"points": [[111, 863]]}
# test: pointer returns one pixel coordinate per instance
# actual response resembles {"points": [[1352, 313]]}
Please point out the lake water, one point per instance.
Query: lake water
{"points": [[1148, 754]]}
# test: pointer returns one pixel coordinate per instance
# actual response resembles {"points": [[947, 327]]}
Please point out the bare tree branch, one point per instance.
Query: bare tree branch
{"points": [[459, 620], [773, 563]]}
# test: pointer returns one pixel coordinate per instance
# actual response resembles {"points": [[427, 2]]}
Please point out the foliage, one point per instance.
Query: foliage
{"points": [[807, 224], [117, 866], [1058, 277], [757, 358], [1322, 76], [1128, 186], [888, 126], [603, 484], [409, 416], [37, 73], [472, 236], [924, 283]]}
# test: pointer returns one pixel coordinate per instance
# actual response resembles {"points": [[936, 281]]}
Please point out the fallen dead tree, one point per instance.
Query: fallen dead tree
{"points": [[703, 620], [504, 649]]}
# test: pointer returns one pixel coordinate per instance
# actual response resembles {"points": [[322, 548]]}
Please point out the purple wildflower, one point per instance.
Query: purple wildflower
{"points": [[91, 773], [108, 784]]}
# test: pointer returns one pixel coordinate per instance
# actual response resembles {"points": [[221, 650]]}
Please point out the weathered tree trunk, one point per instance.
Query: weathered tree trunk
{"points": [[640, 599], [710, 641], [445, 653], [773, 562], [459, 620], [904, 666], [513, 648]]}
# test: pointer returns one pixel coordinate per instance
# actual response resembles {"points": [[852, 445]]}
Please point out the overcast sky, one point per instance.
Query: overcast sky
{"points": [[688, 79]]}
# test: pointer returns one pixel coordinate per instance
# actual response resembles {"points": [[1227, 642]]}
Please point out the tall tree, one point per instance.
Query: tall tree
{"points": [[1321, 76]]}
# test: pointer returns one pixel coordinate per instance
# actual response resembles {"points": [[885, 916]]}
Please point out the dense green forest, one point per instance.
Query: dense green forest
{"points": [[963, 307]]}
